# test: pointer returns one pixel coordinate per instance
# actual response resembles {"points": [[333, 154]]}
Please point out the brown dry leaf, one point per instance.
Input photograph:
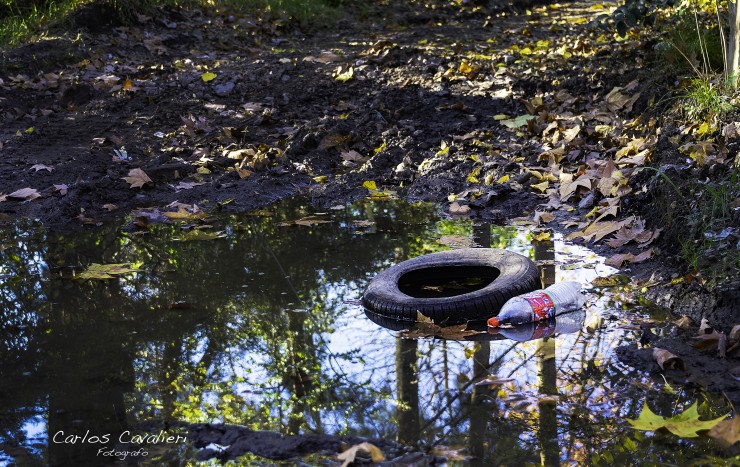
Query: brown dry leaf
{"points": [[568, 185], [619, 260], [26, 194], [727, 432], [110, 207], [137, 178], [667, 360], [570, 134], [335, 140], [543, 217], [616, 101], [352, 156], [348, 456], [597, 230], [458, 209], [684, 322], [734, 335], [709, 341]]}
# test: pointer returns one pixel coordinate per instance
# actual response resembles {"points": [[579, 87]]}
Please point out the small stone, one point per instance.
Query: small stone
{"points": [[223, 89]]}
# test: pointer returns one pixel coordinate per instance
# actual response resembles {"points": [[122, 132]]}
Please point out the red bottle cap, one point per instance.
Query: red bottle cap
{"points": [[493, 322]]}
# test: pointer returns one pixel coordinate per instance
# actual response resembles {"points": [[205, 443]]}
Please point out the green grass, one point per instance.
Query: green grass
{"points": [[707, 98], [21, 20]]}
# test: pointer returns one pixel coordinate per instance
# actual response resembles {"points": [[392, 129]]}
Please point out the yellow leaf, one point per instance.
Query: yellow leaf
{"points": [[320, 179], [203, 170], [208, 76], [503, 179], [543, 236], [344, 76], [685, 424], [542, 186], [370, 185]]}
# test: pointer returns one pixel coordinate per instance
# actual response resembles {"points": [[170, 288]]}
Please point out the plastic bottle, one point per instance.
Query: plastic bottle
{"points": [[566, 323], [540, 304]]}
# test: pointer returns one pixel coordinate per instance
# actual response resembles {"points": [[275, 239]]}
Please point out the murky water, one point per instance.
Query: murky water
{"points": [[262, 328]]}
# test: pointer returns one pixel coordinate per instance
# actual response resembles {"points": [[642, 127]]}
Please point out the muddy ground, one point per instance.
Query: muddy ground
{"points": [[234, 112]]}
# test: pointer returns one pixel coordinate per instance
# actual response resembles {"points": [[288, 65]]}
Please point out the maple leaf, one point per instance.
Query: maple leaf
{"points": [[685, 424], [348, 456], [137, 178]]}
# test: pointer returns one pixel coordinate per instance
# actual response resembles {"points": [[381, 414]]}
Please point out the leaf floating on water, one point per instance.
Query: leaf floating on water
{"points": [[198, 234], [457, 241], [610, 281], [305, 221], [667, 361], [107, 271], [685, 424], [184, 214], [727, 432], [350, 454]]}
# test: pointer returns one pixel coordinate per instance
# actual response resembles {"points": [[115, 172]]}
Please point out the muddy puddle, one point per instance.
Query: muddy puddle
{"points": [[261, 327]]}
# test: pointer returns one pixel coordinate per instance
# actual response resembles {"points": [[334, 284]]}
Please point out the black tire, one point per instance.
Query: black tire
{"points": [[516, 275]]}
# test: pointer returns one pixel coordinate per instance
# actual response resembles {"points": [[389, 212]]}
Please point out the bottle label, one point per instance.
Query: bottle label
{"points": [[542, 305]]}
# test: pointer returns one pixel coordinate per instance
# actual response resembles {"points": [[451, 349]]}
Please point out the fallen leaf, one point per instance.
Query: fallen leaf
{"points": [[457, 209], [137, 178], [684, 322], [305, 221], [198, 235], [708, 341], [61, 189], [208, 76], [110, 207], [517, 122], [726, 432], [26, 194], [597, 230], [619, 260], [370, 185], [543, 217], [184, 214], [568, 185], [614, 280], [107, 271], [187, 185], [348, 456], [667, 361], [38, 167], [685, 424], [457, 241]]}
